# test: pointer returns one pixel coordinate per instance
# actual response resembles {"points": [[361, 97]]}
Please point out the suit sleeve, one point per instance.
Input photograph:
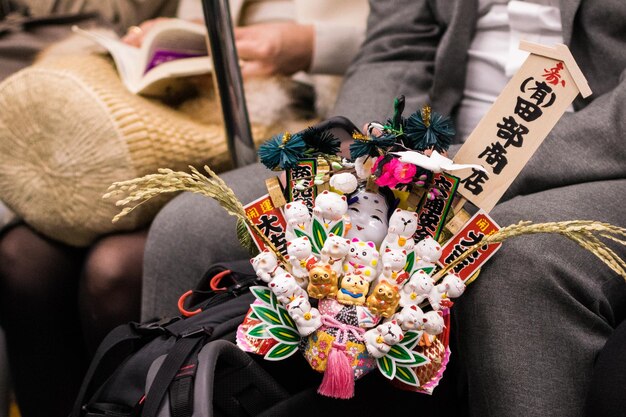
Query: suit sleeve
{"points": [[397, 57]]}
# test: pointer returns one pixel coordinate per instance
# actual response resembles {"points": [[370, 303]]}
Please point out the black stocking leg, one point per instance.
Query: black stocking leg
{"points": [[38, 286]]}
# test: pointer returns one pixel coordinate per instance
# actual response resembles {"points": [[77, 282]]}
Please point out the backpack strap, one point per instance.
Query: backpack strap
{"points": [[125, 334], [175, 359], [232, 383], [118, 336]]}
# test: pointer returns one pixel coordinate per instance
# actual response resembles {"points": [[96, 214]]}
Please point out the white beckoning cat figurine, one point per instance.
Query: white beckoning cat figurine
{"points": [[402, 226], [330, 207], [451, 286], [266, 266], [334, 252], [379, 340], [393, 262], [299, 251], [297, 217], [433, 324], [410, 318], [427, 253], [307, 318], [417, 289], [368, 217], [362, 259], [286, 289]]}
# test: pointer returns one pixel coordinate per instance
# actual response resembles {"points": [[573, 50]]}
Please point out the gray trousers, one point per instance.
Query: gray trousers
{"points": [[528, 329]]}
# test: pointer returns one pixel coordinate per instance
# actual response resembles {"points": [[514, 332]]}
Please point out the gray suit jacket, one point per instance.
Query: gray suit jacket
{"points": [[419, 48]]}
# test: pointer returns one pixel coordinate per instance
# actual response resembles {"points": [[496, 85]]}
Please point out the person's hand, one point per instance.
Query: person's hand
{"points": [[274, 48], [135, 34]]}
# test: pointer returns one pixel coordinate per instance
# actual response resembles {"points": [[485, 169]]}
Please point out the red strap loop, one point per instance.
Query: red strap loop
{"points": [[215, 281], [181, 305]]}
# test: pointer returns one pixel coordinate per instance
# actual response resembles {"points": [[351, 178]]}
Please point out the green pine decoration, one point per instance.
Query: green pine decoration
{"points": [[426, 129], [323, 142], [367, 145], [282, 151]]}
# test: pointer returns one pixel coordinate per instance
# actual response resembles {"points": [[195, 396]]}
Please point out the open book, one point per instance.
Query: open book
{"points": [[172, 48]]}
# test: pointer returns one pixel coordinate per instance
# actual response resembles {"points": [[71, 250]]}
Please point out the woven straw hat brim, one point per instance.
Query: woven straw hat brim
{"points": [[68, 129]]}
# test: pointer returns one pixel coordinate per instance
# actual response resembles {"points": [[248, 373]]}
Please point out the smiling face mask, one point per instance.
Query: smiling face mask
{"points": [[368, 216]]}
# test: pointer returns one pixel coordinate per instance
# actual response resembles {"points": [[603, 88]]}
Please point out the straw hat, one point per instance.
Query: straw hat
{"points": [[68, 129]]}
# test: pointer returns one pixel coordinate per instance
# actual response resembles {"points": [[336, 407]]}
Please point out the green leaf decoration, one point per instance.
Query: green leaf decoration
{"points": [[400, 354], [338, 229], [263, 294], [410, 261], [253, 316], [266, 315], [428, 269], [419, 359], [407, 375], [245, 239], [285, 318], [387, 367], [284, 334], [410, 339], [280, 351], [319, 234], [259, 332], [300, 233]]}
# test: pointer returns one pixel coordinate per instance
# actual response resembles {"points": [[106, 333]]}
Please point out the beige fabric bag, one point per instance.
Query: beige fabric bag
{"points": [[68, 129]]}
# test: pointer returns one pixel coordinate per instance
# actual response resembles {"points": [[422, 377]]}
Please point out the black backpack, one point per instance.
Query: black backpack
{"points": [[190, 367], [142, 368]]}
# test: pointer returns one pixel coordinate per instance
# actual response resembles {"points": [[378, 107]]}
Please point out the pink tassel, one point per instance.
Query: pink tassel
{"points": [[338, 379]]}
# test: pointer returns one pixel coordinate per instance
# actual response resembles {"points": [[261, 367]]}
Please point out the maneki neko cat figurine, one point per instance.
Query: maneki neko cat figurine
{"points": [[353, 290], [427, 253], [416, 289], [379, 340], [334, 252], [330, 207], [297, 217], [322, 281], [452, 286], [410, 318], [393, 261], [266, 266], [307, 318], [285, 288], [300, 257], [402, 226], [383, 299], [362, 259]]}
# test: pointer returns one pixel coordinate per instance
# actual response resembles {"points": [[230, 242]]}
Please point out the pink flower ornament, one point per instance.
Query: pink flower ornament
{"points": [[395, 172]]}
